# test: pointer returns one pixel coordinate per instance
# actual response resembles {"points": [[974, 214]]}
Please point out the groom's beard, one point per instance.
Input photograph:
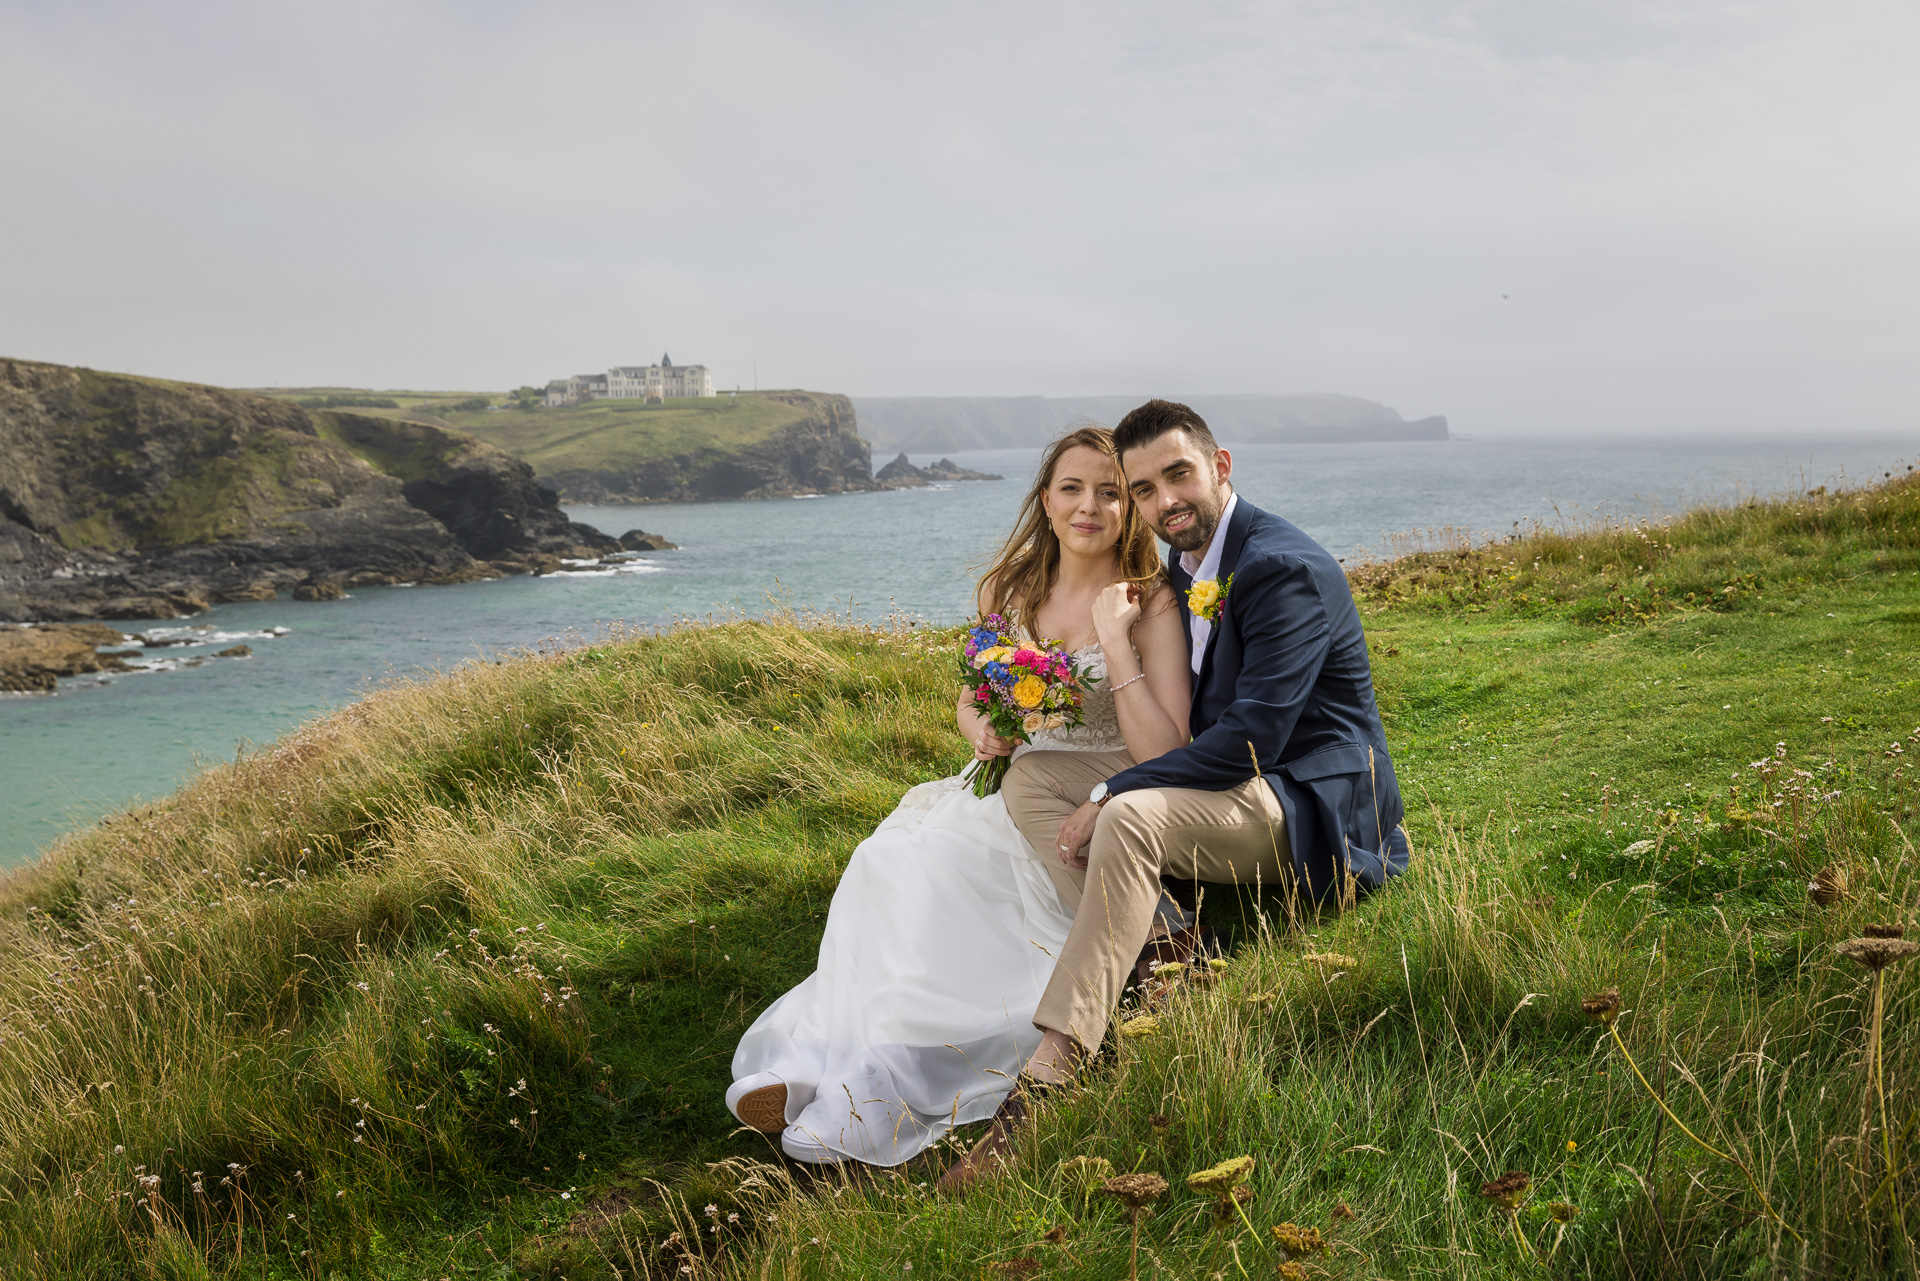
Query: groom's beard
{"points": [[1200, 532]]}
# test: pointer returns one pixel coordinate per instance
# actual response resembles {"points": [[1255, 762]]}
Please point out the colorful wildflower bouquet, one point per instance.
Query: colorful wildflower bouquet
{"points": [[1022, 686]]}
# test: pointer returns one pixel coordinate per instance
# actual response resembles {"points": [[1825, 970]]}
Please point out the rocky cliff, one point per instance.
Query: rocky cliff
{"points": [[821, 452], [125, 497]]}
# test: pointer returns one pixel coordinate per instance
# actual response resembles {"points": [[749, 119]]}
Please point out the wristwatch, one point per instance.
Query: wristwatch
{"points": [[1099, 794]]}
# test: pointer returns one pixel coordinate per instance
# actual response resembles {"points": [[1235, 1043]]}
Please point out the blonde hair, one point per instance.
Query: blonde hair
{"points": [[1022, 575]]}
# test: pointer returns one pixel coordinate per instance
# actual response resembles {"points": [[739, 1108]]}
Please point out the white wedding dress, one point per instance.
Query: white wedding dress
{"points": [[940, 939]]}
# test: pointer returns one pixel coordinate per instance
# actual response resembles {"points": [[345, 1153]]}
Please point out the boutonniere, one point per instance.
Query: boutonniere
{"points": [[1207, 597]]}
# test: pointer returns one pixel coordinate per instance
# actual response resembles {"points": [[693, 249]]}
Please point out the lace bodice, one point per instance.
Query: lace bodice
{"points": [[1099, 728]]}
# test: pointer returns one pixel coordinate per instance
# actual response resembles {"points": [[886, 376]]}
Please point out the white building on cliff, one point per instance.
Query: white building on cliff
{"points": [[664, 381]]}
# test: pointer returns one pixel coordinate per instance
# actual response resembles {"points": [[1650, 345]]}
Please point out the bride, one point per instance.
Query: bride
{"points": [[943, 931]]}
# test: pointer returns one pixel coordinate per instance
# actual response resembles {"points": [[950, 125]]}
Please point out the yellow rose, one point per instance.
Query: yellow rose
{"points": [[1201, 598], [1029, 691]]}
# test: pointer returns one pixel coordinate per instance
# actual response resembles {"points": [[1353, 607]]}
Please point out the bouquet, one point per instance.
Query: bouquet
{"points": [[1021, 686]]}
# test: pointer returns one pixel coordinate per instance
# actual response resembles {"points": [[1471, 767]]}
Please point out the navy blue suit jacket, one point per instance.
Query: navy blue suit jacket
{"points": [[1286, 672]]}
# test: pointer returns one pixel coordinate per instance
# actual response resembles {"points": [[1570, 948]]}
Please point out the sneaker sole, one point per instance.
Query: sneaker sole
{"points": [[765, 1109]]}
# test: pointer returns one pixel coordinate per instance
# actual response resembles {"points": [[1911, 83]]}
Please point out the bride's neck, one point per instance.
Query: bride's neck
{"points": [[1086, 573]]}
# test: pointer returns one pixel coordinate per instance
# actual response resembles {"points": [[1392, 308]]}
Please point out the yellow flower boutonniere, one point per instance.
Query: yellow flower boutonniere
{"points": [[1207, 597]]}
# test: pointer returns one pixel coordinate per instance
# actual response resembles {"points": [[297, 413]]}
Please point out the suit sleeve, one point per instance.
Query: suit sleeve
{"points": [[1285, 633]]}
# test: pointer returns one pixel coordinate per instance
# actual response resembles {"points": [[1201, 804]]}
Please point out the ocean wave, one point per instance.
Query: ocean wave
{"points": [[598, 569], [203, 634]]}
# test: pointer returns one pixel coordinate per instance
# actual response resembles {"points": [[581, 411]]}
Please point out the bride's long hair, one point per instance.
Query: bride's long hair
{"points": [[1022, 576]]}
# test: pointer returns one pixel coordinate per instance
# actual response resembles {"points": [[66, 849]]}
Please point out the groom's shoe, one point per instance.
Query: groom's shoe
{"points": [[996, 1145], [760, 1101]]}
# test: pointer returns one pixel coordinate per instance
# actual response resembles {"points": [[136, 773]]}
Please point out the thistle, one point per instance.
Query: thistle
{"points": [[1136, 1192]]}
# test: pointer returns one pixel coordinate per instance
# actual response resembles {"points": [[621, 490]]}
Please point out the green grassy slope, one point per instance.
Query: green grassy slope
{"points": [[603, 435], [454, 976]]}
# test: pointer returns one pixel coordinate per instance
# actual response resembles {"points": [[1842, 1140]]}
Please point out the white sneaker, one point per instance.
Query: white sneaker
{"points": [[802, 1146], [759, 1101]]}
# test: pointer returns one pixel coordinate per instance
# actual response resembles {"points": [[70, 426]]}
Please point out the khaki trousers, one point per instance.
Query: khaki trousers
{"points": [[1237, 835]]}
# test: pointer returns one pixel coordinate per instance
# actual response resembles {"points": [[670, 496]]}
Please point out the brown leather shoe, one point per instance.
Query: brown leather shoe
{"points": [[994, 1146], [1189, 947]]}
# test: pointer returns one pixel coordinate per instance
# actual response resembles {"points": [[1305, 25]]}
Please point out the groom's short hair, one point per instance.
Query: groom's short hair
{"points": [[1155, 419]]}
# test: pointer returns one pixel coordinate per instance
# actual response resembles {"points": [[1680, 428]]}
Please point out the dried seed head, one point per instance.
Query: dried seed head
{"points": [[1877, 953], [1086, 1172], [1562, 1212], [1509, 1190], [1296, 1240], [1828, 886], [1884, 931], [1168, 971], [1161, 1125], [1603, 1007], [1291, 1271], [1217, 964], [1220, 1179], [1135, 1191], [1024, 1266], [1342, 1212], [1057, 1234], [1140, 1025], [1332, 960]]}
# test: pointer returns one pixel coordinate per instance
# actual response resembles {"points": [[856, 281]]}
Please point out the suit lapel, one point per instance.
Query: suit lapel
{"points": [[1229, 559]]}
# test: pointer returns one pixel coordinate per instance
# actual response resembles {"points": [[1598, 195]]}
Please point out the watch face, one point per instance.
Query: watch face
{"points": [[1098, 794]]}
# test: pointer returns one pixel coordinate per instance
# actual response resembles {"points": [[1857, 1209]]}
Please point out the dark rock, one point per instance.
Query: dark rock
{"points": [[120, 655], [900, 472], [261, 590], [236, 651], [947, 469], [324, 590], [639, 540]]}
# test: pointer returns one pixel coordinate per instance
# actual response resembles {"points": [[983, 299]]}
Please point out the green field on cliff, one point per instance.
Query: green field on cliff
{"points": [[601, 435], [447, 984]]}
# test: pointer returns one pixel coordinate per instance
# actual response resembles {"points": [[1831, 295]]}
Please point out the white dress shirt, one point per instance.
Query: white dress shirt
{"points": [[1205, 567]]}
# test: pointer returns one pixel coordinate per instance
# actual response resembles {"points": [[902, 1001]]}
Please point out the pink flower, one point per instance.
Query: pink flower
{"points": [[984, 694], [1031, 661]]}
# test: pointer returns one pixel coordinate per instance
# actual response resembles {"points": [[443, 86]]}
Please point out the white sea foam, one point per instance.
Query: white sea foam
{"points": [[204, 634], [601, 570]]}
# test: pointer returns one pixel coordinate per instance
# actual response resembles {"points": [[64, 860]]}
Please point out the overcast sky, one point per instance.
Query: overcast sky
{"points": [[1532, 216]]}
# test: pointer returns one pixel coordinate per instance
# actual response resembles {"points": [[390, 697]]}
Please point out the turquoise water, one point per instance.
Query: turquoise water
{"points": [[96, 744]]}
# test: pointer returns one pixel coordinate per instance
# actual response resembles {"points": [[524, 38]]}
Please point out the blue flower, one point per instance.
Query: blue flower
{"points": [[995, 671]]}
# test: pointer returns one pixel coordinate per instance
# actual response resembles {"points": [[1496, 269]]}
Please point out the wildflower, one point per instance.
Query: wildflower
{"points": [[1562, 1212], [1572, 1146], [1509, 1190], [1331, 960], [1168, 971], [1217, 964], [1297, 1241], [1161, 1125], [1222, 1178], [1135, 1191], [1603, 1007], [1087, 1172], [1140, 1025], [1828, 886], [1876, 952], [1291, 1271]]}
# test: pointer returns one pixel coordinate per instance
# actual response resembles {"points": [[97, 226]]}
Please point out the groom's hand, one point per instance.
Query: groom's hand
{"points": [[1076, 834]]}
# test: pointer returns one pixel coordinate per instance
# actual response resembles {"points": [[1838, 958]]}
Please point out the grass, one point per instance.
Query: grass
{"points": [[448, 983], [615, 436]]}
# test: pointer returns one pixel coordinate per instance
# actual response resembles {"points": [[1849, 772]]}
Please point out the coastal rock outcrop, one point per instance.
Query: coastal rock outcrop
{"points": [[124, 497], [901, 474], [821, 452], [32, 659]]}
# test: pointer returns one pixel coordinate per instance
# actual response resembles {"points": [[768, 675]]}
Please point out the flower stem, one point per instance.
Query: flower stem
{"points": [[1724, 1156]]}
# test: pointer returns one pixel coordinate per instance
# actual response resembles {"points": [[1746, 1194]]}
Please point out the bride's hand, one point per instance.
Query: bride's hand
{"points": [[989, 745], [1115, 610]]}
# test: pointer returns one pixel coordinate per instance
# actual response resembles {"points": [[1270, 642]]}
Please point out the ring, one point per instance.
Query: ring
{"points": [[1063, 847]]}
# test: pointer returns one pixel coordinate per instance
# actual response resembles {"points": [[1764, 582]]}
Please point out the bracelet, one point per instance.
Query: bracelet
{"points": [[1130, 680]]}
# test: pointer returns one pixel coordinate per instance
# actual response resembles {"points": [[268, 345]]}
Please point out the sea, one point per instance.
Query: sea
{"points": [[102, 741]]}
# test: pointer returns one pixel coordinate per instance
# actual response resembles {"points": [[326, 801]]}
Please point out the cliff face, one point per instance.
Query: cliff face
{"points": [[124, 497], [821, 453]]}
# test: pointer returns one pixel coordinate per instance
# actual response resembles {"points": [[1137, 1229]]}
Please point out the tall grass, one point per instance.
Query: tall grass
{"points": [[447, 983]]}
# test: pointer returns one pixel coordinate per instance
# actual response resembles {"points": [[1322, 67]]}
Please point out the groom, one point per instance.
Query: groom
{"points": [[1287, 779]]}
